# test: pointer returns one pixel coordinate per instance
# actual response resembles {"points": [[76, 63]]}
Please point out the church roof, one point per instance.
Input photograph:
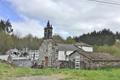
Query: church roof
{"points": [[99, 56], [66, 47], [103, 57], [49, 26], [82, 44]]}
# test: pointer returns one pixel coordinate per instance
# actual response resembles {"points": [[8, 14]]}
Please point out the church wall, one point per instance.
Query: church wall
{"points": [[46, 50]]}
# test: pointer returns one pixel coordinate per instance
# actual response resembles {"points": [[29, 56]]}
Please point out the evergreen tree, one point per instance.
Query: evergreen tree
{"points": [[104, 37], [70, 40], [5, 26]]}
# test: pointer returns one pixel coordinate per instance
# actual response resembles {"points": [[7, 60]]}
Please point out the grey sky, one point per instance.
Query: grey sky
{"points": [[69, 17]]}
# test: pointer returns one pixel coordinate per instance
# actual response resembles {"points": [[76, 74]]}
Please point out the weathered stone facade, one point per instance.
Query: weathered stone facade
{"points": [[22, 62], [47, 53], [87, 60]]}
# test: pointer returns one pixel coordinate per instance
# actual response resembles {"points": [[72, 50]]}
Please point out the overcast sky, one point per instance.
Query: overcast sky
{"points": [[68, 17]]}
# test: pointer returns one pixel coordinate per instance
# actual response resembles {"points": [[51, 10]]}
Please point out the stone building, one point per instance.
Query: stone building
{"points": [[82, 59], [79, 55], [22, 58], [21, 61], [47, 51]]}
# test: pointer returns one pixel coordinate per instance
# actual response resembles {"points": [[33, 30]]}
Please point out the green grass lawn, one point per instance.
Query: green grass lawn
{"points": [[6, 72]]}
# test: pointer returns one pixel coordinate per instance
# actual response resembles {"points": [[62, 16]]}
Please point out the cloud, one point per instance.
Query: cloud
{"points": [[69, 17], [26, 27]]}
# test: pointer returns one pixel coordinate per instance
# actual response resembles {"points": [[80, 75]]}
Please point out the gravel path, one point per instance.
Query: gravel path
{"points": [[56, 77]]}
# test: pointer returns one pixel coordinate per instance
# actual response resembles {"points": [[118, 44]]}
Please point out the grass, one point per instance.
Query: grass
{"points": [[7, 71], [114, 49]]}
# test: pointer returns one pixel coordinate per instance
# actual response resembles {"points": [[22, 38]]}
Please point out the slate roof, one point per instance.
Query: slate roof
{"points": [[103, 57], [66, 47], [82, 44], [99, 56]]}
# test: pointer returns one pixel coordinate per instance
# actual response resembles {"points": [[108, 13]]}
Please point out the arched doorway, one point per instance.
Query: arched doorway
{"points": [[46, 61]]}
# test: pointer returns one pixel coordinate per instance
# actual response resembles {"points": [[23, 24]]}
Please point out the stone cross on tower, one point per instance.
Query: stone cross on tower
{"points": [[48, 31]]}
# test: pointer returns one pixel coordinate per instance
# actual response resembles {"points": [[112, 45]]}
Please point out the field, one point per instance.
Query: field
{"points": [[8, 73], [114, 49]]}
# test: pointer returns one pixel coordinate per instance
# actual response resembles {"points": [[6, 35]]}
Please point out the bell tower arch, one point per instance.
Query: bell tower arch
{"points": [[48, 31]]}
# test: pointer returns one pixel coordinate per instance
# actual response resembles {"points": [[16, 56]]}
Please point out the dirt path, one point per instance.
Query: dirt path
{"points": [[55, 77]]}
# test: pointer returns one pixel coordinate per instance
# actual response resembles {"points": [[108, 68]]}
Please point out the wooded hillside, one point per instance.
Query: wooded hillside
{"points": [[103, 37], [8, 40], [104, 40]]}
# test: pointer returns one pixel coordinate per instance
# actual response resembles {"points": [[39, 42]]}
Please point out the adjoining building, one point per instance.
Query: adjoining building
{"points": [[21, 58], [22, 62], [79, 55]]}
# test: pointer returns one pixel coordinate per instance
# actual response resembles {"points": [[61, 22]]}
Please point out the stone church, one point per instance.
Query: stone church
{"points": [[79, 55]]}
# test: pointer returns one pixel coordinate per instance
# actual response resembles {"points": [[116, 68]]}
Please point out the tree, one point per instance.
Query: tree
{"points": [[2, 26], [103, 37], [5, 26], [70, 40], [117, 35], [58, 39], [8, 26], [12, 41]]}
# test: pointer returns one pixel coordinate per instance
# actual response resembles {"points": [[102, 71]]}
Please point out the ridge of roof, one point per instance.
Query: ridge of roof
{"points": [[99, 56]]}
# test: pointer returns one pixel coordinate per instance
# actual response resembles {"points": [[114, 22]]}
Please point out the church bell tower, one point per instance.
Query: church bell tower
{"points": [[48, 31]]}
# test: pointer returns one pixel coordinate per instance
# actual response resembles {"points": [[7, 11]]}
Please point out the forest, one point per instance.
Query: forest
{"points": [[95, 38], [100, 38], [9, 40]]}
